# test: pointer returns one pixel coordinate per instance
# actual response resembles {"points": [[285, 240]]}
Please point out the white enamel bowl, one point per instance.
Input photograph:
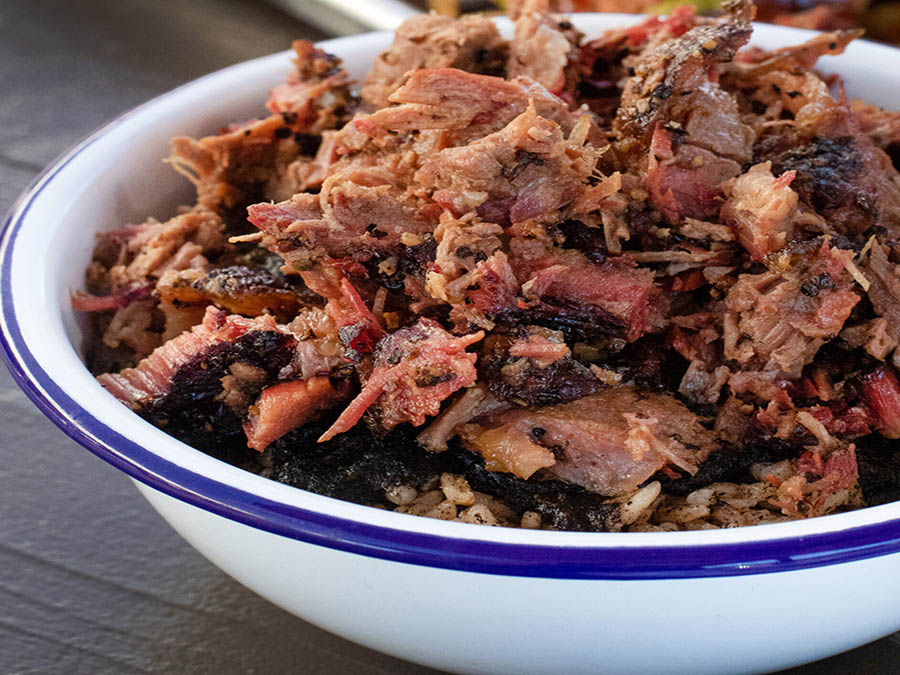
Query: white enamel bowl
{"points": [[459, 597]]}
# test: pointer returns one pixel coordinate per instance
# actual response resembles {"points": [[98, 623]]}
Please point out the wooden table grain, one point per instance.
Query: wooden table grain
{"points": [[91, 579]]}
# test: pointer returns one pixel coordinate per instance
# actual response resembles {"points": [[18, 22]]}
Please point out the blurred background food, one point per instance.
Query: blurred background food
{"points": [[880, 18]]}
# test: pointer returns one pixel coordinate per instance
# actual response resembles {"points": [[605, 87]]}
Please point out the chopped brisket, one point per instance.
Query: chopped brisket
{"points": [[817, 485], [415, 369], [839, 170], [360, 220], [528, 166], [649, 363], [609, 442], [884, 291], [778, 320], [463, 105], [233, 169], [237, 289], [587, 300], [152, 377], [141, 254], [828, 173], [471, 43], [283, 407], [193, 377], [875, 336], [543, 48], [674, 80], [470, 272], [118, 299], [881, 394], [687, 183], [703, 385], [315, 97], [468, 404], [357, 328], [678, 125], [882, 126], [759, 207], [534, 368], [192, 407]]}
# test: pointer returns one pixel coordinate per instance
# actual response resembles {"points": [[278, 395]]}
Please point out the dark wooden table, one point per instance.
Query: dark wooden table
{"points": [[91, 579]]}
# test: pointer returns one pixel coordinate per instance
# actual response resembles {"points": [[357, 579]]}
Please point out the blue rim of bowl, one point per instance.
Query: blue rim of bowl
{"points": [[781, 554]]}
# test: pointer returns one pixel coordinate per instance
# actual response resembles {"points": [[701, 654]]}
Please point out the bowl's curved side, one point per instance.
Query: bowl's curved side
{"points": [[461, 621], [46, 244]]}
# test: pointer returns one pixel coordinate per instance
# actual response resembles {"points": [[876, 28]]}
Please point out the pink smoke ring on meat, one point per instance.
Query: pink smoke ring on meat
{"points": [[415, 369]]}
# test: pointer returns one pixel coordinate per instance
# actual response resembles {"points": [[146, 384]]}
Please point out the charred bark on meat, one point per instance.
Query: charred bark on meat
{"points": [[878, 460], [730, 464], [190, 410], [827, 172], [562, 505], [511, 378], [356, 466]]}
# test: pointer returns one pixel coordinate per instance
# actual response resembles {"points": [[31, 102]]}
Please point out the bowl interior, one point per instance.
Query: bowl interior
{"points": [[118, 176]]}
